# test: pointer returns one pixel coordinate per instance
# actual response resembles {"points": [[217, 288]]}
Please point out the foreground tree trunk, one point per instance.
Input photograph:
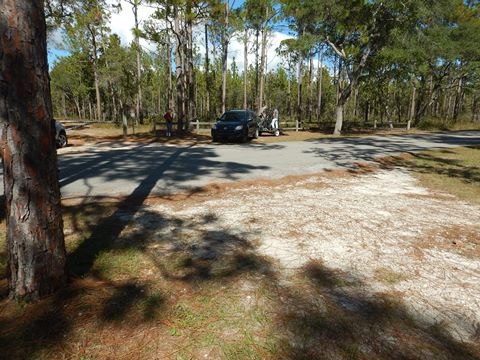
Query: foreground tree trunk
{"points": [[36, 250]]}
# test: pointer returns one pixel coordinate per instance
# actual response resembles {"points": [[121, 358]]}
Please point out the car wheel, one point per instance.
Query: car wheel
{"points": [[62, 140]]}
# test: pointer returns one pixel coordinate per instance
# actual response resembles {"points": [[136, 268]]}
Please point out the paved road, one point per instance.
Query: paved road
{"points": [[157, 169]]}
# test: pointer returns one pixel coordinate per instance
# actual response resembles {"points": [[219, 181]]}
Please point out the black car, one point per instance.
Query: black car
{"points": [[236, 125]]}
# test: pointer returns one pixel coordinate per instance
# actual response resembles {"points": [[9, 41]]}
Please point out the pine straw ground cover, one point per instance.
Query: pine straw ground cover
{"points": [[368, 265]]}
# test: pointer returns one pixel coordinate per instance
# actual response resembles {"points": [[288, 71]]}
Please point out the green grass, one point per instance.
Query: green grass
{"points": [[455, 171], [433, 124], [390, 277]]}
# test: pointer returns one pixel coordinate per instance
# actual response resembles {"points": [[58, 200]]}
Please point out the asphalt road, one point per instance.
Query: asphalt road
{"points": [[153, 169]]}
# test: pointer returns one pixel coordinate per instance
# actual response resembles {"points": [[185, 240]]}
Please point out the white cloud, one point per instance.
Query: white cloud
{"points": [[123, 22]]}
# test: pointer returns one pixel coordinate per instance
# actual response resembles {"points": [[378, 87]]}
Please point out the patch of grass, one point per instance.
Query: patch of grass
{"points": [[245, 348], [434, 124], [388, 276], [118, 264], [455, 171]]}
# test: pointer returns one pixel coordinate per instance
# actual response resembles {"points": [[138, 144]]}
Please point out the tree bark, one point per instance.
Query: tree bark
{"points": [[339, 118], [170, 100], [262, 65], [458, 99], [95, 75], [77, 105], [190, 70], [257, 50], [64, 106], [355, 102], [35, 243], [413, 107], [299, 93], [139, 105], [310, 89], [225, 41], [179, 70], [245, 69], [207, 74], [319, 85]]}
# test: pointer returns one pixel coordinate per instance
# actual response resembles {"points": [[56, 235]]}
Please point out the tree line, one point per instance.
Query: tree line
{"points": [[378, 61]]}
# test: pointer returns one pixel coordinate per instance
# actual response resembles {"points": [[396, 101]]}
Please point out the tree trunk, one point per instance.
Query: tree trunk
{"points": [[170, 100], [95, 75], [34, 226], [207, 74], [262, 66], [179, 70], [64, 106], [310, 88], [77, 105], [319, 85], [257, 50], [367, 113], [299, 93], [225, 41], [191, 72], [344, 94], [458, 99], [245, 69], [90, 109], [139, 105], [114, 106], [124, 119], [355, 102], [289, 94], [413, 107], [338, 118]]}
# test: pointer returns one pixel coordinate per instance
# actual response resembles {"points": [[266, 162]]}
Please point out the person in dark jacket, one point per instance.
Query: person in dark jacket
{"points": [[169, 120]]}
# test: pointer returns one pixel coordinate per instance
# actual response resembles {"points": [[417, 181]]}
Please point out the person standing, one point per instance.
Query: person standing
{"points": [[169, 121], [275, 119]]}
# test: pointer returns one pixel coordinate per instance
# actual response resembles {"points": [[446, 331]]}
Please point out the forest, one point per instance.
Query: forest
{"points": [[344, 62]]}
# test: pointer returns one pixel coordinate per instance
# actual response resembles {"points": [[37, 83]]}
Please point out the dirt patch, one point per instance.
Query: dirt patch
{"points": [[461, 239], [373, 226]]}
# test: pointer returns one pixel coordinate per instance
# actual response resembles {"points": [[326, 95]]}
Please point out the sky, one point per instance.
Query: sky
{"points": [[122, 24]]}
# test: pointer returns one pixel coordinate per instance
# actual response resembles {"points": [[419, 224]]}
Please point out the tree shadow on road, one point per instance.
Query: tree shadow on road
{"points": [[346, 152]]}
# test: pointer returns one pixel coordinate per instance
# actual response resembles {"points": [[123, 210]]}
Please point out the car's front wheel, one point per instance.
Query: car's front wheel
{"points": [[62, 140]]}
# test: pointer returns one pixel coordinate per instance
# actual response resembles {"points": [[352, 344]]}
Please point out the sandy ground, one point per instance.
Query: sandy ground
{"points": [[382, 230]]}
